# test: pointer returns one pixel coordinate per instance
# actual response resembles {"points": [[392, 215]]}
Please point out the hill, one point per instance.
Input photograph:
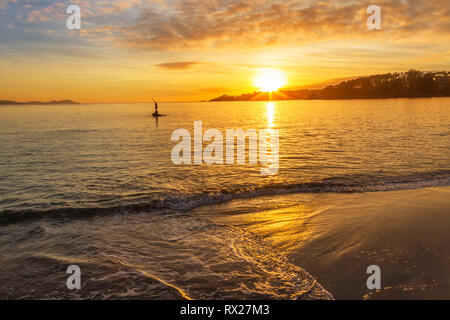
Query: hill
{"points": [[411, 84], [38, 102]]}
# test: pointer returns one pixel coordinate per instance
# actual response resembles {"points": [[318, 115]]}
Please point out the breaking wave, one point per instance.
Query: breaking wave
{"points": [[184, 201]]}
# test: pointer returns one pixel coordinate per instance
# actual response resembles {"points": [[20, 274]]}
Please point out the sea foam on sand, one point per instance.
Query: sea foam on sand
{"points": [[335, 237]]}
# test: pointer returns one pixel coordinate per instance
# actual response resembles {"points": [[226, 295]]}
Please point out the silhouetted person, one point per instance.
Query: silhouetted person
{"points": [[156, 107]]}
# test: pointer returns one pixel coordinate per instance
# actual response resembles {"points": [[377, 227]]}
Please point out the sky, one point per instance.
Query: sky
{"points": [[179, 50]]}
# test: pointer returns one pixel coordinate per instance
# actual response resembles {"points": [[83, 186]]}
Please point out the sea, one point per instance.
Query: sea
{"points": [[95, 185]]}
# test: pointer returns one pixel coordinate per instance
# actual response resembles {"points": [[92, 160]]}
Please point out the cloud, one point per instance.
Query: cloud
{"points": [[4, 3], [196, 24], [178, 65], [170, 25]]}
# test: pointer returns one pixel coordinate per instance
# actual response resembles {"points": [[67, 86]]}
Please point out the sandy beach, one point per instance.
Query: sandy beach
{"points": [[335, 237]]}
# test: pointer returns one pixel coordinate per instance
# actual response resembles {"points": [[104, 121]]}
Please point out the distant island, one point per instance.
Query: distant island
{"points": [[39, 102], [411, 84]]}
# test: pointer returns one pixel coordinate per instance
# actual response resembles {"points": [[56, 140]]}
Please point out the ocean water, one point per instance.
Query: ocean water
{"points": [[95, 185]]}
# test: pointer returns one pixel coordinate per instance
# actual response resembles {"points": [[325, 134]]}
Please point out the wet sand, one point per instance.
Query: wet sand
{"points": [[335, 237]]}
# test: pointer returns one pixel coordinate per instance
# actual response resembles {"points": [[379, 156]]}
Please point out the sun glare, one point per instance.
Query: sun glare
{"points": [[270, 107], [269, 80]]}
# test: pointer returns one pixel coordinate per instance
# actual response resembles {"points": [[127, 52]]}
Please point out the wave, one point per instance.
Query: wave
{"points": [[176, 256], [70, 131], [184, 201]]}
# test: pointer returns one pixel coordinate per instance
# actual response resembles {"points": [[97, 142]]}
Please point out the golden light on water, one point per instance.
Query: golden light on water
{"points": [[269, 80], [270, 107]]}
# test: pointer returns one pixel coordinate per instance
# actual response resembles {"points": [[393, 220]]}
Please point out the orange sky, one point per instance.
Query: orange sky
{"points": [[132, 51]]}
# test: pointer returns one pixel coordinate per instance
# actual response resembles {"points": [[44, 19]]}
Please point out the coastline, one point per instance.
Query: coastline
{"points": [[291, 246], [335, 237], [330, 99]]}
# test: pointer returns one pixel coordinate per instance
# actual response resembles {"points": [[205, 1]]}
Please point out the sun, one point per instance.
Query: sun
{"points": [[268, 80]]}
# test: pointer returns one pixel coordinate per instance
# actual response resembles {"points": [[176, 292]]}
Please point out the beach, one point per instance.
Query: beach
{"points": [[337, 236], [296, 246]]}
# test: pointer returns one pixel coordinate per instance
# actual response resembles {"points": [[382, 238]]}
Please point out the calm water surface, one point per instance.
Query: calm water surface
{"points": [[100, 156]]}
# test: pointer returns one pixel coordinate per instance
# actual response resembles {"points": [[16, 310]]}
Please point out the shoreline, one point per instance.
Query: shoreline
{"points": [[291, 246], [333, 99], [335, 237]]}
